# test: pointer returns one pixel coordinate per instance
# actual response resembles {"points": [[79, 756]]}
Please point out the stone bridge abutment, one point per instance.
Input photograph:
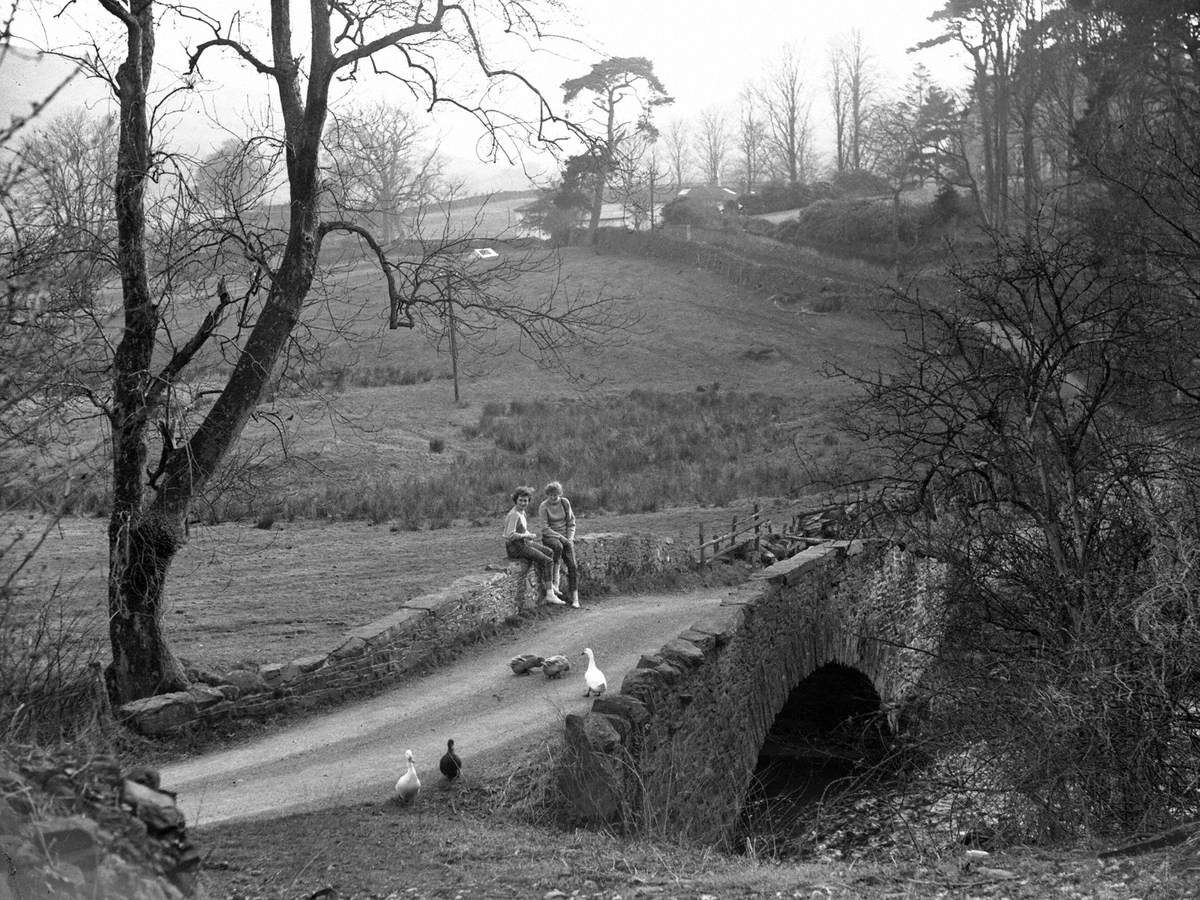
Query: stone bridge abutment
{"points": [[674, 750]]}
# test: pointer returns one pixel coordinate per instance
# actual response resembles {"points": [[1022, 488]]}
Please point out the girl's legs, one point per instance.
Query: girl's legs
{"points": [[556, 548], [542, 558], [568, 558]]}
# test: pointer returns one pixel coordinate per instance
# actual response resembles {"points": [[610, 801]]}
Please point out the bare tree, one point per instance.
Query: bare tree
{"points": [[266, 296], [60, 216], [752, 139], [853, 86], [677, 144], [786, 107], [235, 177], [638, 178], [712, 143], [382, 164], [1030, 405], [67, 173], [839, 104]]}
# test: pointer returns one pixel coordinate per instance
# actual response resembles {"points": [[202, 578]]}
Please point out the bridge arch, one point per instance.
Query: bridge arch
{"points": [[675, 749]]}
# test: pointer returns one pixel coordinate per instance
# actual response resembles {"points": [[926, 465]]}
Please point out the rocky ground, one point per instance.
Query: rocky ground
{"points": [[488, 840]]}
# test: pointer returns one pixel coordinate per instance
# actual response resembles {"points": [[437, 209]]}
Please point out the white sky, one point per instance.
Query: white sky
{"points": [[705, 51]]}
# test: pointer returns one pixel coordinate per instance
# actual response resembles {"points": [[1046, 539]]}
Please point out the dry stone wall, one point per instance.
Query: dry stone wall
{"points": [[386, 649], [674, 750], [81, 828]]}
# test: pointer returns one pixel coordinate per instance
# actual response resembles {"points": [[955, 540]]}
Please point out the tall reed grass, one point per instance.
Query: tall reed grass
{"points": [[639, 452], [635, 453]]}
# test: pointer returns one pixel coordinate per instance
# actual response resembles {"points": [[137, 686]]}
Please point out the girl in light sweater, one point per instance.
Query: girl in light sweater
{"points": [[558, 533], [521, 543]]}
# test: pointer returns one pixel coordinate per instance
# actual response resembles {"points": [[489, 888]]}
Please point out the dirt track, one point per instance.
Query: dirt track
{"points": [[356, 753]]}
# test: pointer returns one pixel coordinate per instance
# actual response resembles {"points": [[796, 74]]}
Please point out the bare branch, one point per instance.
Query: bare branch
{"points": [[184, 354], [239, 48], [398, 315]]}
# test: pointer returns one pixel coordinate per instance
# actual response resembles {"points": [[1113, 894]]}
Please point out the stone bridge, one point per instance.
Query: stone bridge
{"points": [[675, 749]]}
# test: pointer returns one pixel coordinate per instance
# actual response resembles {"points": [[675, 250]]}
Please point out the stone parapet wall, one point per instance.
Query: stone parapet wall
{"points": [[674, 750], [388, 648]]}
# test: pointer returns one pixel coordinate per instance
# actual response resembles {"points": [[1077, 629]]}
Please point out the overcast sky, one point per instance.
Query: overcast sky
{"points": [[705, 51]]}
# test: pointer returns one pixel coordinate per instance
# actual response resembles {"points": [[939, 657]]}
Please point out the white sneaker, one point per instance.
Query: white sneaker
{"points": [[574, 599], [552, 598]]}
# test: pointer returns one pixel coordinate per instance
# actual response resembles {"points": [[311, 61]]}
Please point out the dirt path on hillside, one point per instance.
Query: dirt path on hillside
{"points": [[356, 753]]}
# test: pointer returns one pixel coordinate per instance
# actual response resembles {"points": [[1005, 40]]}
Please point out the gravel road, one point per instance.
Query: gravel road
{"points": [[355, 753]]}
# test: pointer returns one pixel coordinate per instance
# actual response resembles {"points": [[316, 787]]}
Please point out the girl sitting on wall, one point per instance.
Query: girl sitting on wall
{"points": [[558, 533], [521, 543]]}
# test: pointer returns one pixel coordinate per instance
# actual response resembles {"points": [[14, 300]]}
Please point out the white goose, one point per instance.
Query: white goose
{"points": [[409, 784], [593, 676]]}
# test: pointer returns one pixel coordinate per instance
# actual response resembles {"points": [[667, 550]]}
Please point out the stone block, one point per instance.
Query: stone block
{"points": [[205, 696], [681, 653], [202, 675], [160, 713], [668, 673], [246, 681], [628, 708], [792, 569], [602, 733], [702, 639], [642, 684], [383, 629], [590, 779], [302, 666], [721, 625], [72, 839], [349, 648], [224, 708]]}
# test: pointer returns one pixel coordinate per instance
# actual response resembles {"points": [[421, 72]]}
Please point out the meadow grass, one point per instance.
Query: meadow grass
{"points": [[633, 453]]}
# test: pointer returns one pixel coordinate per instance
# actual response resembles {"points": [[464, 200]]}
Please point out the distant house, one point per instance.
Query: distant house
{"points": [[707, 198]]}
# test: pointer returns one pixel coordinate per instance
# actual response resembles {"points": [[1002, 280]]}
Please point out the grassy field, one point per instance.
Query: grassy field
{"points": [[381, 407]]}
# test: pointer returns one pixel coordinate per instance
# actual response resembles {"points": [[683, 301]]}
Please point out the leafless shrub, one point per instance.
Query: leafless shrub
{"points": [[1042, 452]]}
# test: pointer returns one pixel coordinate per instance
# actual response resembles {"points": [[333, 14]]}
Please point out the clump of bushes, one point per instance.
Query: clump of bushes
{"points": [[340, 377], [847, 223]]}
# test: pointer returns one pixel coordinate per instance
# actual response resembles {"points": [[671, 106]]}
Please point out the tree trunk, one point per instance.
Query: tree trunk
{"points": [[139, 549], [140, 554], [1029, 164], [597, 207], [604, 165], [896, 234]]}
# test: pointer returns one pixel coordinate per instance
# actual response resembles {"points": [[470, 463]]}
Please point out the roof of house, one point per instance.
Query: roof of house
{"points": [[707, 192]]}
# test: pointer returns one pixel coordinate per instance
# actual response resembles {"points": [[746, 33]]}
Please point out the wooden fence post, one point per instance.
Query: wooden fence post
{"points": [[701, 543], [757, 525]]}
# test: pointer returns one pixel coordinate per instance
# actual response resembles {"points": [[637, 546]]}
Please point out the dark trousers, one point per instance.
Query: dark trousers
{"points": [[564, 550], [540, 555]]}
